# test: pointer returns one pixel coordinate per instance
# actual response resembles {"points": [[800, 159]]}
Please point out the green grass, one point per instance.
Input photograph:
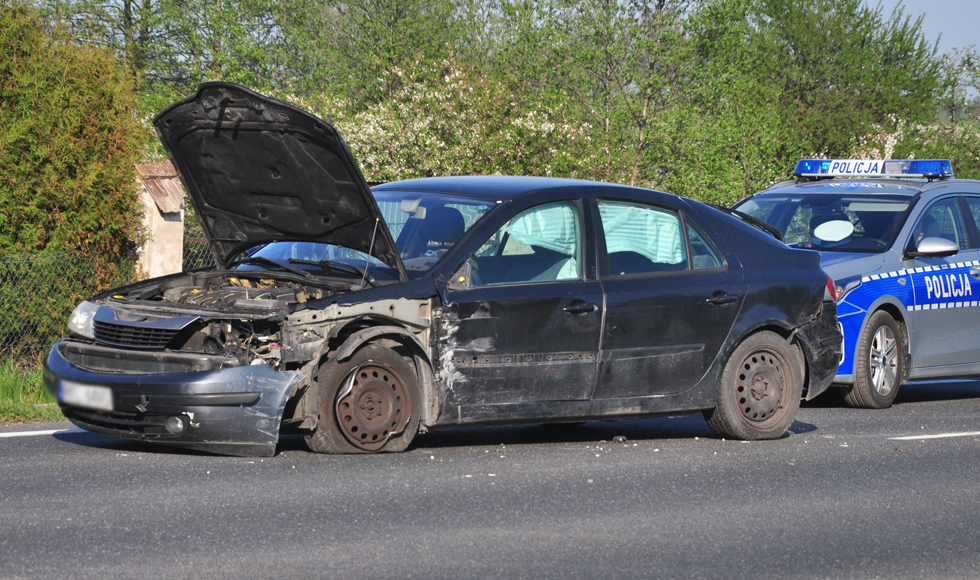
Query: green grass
{"points": [[24, 398]]}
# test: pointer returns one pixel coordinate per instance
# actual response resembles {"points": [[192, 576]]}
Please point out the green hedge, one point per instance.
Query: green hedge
{"points": [[69, 138]]}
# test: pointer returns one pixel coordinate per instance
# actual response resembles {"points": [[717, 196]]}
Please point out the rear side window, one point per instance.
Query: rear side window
{"points": [[642, 239], [704, 255], [942, 220]]}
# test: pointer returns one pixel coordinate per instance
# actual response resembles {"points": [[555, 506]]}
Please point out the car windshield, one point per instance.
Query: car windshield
{"points": [[829, 222], [425, 226]]}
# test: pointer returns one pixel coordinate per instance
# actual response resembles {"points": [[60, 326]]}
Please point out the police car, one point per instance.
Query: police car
{"points": [[901, 239]]}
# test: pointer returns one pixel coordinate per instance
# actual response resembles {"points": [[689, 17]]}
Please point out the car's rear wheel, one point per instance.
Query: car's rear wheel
{"points": [[760, 390], [368, 403], [879, 364]]}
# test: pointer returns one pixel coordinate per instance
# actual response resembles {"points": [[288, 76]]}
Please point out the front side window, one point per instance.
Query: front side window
{"points": [[542, 244], [942, 220], [973, 203], [641, 239]]}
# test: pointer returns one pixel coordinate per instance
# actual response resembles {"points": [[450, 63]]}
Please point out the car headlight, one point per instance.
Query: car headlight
{"points": [[81, 321]]}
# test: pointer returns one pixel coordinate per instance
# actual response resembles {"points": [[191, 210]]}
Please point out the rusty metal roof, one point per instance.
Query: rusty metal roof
{"points": [[163, 185]]}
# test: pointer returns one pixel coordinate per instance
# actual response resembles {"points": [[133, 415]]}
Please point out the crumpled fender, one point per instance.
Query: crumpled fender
{"points": [[349, 347]]}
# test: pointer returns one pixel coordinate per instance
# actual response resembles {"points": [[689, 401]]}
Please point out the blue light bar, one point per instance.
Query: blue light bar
{"points": [[928, 168]]}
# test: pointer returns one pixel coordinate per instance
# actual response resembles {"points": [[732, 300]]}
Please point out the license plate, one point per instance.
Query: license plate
{"points": [[88, 396]]}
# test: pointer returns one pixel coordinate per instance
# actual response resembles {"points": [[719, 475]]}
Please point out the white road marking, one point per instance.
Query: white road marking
{"points": [[36, 433], [940, 436]]}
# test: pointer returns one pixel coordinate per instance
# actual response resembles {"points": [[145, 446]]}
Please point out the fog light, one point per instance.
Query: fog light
{"points": [[175, 425]]}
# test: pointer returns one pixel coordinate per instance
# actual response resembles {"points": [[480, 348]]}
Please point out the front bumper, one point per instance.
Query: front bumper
{"points": [[232, 411], [822, 339]]}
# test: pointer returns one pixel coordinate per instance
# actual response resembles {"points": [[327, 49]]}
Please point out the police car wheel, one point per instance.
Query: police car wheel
{"points": [[879, 364], [760, 390], [368, 403]]}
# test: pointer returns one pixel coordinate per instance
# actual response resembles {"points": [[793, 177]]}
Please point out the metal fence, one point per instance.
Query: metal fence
{"points": [[38, 294], [197, 252]]}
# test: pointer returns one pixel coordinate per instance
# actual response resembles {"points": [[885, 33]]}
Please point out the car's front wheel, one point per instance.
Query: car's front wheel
{"points": [[760, 390], [368, 403], [879, 363]]}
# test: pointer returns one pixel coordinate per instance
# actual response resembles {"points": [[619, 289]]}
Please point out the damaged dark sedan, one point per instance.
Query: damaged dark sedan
{"points": [[360, 317]]}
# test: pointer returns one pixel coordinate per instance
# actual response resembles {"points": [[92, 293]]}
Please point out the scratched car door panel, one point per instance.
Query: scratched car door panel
{"points": [[669, 302], [527, 327]]}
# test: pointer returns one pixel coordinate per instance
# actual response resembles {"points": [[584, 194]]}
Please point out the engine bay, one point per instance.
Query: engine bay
{"points": [[239, 319]]}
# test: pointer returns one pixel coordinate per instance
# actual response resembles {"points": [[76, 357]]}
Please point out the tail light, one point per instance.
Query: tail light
{"points": [[830, 291]]}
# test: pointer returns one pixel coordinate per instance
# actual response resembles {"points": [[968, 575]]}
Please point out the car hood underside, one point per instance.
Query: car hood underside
{"points": [[258, 170]]}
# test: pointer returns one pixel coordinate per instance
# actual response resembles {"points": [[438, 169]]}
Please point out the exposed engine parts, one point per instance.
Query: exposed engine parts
{"points": [[227, 293], [240, 321], [238, 318]]}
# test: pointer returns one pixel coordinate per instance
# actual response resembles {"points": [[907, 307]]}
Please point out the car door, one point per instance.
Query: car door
{"points": [[671, 298], [945, 315], [522, 320]]}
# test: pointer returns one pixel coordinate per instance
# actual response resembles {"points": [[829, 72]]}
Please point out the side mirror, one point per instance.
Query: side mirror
{"points": [[935, 248]]}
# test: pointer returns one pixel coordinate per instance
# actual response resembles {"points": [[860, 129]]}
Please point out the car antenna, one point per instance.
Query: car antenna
{"points": [[370, 248]]}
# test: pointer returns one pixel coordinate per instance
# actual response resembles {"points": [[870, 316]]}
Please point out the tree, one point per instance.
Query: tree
{"points": [[68, 141], [842, 67], [353, 48], [728, 132]]}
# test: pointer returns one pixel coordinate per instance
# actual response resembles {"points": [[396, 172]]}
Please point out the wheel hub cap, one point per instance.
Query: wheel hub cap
{"points": [[759, 386], [884, 360], [374, 407]]}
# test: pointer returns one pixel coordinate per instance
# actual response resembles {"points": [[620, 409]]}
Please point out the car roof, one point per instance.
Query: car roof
{"points": [[884, 186], [495, 186]]}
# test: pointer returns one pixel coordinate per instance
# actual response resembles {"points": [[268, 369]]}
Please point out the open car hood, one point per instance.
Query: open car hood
{"points": [[259, 170]]}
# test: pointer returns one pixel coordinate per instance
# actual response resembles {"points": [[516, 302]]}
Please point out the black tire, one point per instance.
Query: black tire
{"points": [[879, 364], [378, 410], [760, 390]]}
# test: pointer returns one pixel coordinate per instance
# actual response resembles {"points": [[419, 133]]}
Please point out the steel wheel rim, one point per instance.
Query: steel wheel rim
{"points": [[373, 406], [883, 359], [760, 386]]}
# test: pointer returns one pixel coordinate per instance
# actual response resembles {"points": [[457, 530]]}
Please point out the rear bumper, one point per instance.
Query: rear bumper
{"points": [[822, 341], [233, 411]]}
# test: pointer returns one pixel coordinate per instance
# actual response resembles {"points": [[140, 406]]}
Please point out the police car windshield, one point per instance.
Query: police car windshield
{"points": [[832, 222]]}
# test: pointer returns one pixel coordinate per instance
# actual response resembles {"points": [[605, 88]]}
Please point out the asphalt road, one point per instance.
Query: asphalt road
{"points": [[837, 498]]}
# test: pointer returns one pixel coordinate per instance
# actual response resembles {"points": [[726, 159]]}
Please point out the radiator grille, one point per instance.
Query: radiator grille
{"points": [[133, 336]]}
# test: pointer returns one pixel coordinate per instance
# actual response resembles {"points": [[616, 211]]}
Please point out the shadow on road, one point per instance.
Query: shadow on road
{"points": [[912, 392], [96, 441], [684, 427], [660, 428], [948, 390]]}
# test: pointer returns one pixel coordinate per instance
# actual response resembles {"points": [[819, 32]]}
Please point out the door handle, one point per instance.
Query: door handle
{"points": [[580, 307], [721, 300], [975, 271]]}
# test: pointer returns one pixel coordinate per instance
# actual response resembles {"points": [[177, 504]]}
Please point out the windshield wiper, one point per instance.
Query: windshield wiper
{"points": [[759, 224], [263, 261], [337, 267]]}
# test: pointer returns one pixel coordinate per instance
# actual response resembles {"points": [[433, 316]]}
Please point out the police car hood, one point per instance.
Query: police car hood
{"points": [[258, 170], [841, 265]]}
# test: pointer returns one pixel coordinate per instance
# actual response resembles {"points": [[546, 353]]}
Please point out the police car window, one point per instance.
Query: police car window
{"points": [[832, 221], [974, 204], [704, 255], [542, 244], [942, 220], [641, 239]]}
